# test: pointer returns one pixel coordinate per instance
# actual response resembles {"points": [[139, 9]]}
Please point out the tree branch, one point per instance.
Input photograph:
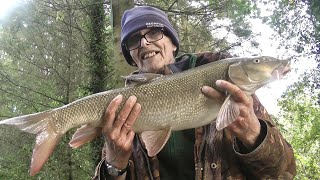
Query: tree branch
{"points": [[32, 90]]}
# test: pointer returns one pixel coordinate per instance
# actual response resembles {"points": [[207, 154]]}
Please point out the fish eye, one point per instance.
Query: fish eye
{"points": [[256, 61]]}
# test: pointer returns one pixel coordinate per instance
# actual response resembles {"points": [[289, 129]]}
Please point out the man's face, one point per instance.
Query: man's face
{"points": [[151, 57]]}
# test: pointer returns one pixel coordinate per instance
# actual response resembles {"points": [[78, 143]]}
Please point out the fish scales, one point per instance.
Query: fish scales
{"points": [[179, 101], [169, 101], [83, 111]]}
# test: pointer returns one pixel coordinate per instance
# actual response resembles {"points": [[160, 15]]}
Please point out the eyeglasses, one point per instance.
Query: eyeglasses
{"points": [[134, 41]]}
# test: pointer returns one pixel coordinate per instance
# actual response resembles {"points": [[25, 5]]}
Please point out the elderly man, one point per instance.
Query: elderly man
{"points": [[250, 148]]}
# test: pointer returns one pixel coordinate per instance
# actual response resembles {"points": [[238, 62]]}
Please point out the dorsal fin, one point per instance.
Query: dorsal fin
{"points": [[135, 79]]}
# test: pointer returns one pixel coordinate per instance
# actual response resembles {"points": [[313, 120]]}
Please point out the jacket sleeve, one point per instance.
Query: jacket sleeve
{"points": [[273, 156]]}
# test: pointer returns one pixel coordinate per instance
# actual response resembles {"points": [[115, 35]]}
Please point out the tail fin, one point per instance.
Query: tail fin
{"points": [[46, 139]]}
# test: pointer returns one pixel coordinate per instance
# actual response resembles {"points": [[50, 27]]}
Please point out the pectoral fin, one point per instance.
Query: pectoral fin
{"points": [[155, 140], [228, 113], [83, 135]]}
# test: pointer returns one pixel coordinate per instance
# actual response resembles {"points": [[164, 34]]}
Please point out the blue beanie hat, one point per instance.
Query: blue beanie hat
{"points": [[143, 17]]}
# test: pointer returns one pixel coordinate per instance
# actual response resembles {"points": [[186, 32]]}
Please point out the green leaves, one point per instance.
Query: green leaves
{"points": [[301, 122], [297, 22], [60, 16], [45, 63]]}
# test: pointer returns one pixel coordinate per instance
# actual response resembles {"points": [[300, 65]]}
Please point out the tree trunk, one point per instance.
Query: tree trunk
{"points": [[121, 66], [99, 68]]}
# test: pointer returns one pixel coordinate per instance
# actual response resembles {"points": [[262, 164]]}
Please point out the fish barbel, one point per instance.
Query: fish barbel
{"points": [[169, 103]]}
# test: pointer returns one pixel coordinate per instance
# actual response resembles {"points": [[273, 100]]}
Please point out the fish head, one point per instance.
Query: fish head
{"points": [[252, 73]]}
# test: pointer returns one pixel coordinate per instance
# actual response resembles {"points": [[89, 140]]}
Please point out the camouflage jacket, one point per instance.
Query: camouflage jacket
{"points": [[219, 155]]}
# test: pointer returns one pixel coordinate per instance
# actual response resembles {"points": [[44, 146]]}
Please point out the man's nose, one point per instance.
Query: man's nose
{"points": [[144, 42]]}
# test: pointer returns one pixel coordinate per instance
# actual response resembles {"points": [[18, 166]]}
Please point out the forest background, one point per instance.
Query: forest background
{"points": [[53, 52]]}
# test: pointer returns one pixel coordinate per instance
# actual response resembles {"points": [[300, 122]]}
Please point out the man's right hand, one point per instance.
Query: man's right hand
{"points": [[118, 132]]}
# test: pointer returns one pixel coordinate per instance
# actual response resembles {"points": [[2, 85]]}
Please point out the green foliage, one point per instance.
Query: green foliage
{"points": [[19, 146], [297, 23], [301, 123], [101, 60], [46, 62]]}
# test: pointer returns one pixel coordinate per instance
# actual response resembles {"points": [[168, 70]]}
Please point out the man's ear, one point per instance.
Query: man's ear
{"points": [[174, 48]]}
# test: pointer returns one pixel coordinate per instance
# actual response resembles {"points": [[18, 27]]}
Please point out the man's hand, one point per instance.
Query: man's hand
{"points": [[247, 126], [118, 132]]}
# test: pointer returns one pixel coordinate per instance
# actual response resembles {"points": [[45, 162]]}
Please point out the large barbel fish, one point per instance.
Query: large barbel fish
{"points": [[169, 103]]}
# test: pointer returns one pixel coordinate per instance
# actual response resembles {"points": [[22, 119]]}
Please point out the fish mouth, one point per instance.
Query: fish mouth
{"points": [[281, 71], [286, 69]]}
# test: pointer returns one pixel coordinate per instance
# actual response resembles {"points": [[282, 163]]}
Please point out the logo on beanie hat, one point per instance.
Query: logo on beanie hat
{"points": [[154, 24]]}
